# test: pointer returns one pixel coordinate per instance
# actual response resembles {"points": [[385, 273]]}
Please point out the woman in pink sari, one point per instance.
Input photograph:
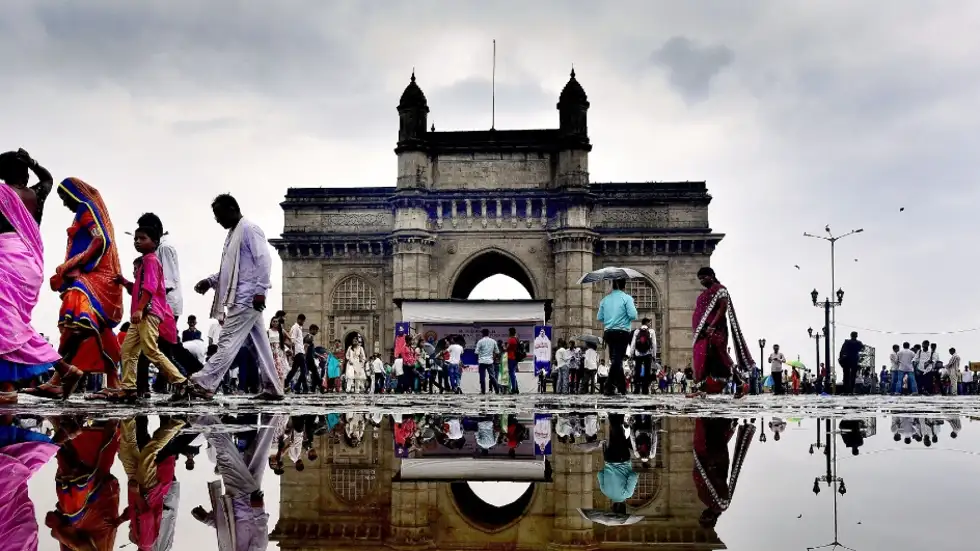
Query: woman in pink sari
{"points": [[22, 454], [24, 354], [713, 367]]}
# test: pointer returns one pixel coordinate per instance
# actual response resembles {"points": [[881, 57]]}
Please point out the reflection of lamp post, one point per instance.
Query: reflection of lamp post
{"points": [[827, 305], [818, 446], [831, 478], [762, 370], [830, 238]]}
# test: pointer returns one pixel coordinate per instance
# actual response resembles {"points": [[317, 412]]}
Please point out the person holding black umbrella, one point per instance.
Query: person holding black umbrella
{"points": [[617, 311]]}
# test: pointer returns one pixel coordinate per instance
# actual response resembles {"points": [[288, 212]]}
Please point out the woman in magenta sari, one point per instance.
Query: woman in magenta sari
{"points": [[713, 478], [24, 354], [713, 367], [22, 454], [91, 299]]}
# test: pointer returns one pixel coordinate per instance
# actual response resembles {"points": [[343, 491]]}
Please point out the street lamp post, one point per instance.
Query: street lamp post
{"points": [[762, 369], [817, 337], [828, 305], [832, 239]]}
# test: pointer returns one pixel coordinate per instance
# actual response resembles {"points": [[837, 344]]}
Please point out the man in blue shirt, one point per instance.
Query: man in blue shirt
{"points": [[617, 312], [486, 349]]}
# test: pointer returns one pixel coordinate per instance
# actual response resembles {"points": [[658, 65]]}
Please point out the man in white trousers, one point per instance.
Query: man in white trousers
{"points": [[240, 288], [239, 515]]}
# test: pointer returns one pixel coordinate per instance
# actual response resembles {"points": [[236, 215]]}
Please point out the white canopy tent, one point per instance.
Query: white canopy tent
{"points": [[450, 312], [470, 469]]}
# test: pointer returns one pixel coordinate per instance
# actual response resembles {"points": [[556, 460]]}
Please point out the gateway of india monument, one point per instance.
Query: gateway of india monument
{"points": [[467, 205]]}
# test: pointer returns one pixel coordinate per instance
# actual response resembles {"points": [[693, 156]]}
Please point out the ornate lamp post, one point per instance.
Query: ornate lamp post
{"points": [[817, 337], [762, 369], [827, 306], [832, 326]]}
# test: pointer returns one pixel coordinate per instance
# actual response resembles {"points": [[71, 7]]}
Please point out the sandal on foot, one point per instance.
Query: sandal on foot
{"points": [[123, 396], [268, 396], [44, 391], [104, 394], [198, 392]]}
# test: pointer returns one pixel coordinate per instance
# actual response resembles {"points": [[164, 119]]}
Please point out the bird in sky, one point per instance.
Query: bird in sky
{"points": [[902, 209], [797, 266]]}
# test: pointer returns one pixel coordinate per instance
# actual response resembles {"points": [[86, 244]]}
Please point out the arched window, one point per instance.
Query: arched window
{"points": [[648, 306], [353, 294]]}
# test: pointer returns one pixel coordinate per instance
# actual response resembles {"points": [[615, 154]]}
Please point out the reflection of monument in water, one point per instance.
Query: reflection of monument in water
{"points": [[347, 500]]}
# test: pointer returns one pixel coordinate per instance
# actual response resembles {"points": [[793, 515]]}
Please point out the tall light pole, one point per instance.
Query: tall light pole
{"points": [[832, 239], [828, 306], [762, 370], [817, 337]]}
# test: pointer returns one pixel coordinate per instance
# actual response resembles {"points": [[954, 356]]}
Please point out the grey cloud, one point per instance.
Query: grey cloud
{"points": [[158, 49], [464, 97], [692, 66], [207, 125]]}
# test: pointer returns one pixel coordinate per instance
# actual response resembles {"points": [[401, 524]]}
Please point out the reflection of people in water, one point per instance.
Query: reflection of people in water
{"points": [[22, 453], [152, 481], [243, 503], [713, 478], [87, 515], [644, 439], [617, 480], [852, 435]]}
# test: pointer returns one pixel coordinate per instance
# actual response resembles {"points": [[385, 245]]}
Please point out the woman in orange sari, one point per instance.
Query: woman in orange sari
{"points": [[91, 300]]}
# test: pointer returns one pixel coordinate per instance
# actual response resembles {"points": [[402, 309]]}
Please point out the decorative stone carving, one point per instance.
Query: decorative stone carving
{"points": [[632, 218]]}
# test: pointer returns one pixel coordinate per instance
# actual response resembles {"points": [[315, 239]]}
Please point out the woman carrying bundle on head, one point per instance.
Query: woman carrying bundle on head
{"points": [[91, 300]]}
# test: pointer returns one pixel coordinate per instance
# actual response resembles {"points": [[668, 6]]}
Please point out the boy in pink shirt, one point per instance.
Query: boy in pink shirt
{"points": [[150, 318]]}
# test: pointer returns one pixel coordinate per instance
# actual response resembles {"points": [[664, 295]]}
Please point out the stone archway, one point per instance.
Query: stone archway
{"points": [[485, 516], [488, 263]]}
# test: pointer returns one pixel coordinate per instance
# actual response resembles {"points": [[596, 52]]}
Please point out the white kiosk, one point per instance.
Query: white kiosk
{"points": [[435, 319]]}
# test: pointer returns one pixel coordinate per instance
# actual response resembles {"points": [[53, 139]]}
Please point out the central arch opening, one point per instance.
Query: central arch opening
{"points": [[492, 505], [493, 276]]}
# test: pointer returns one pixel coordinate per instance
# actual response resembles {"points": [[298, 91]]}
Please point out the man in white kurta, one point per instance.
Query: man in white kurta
{"points": [[240, 288]]}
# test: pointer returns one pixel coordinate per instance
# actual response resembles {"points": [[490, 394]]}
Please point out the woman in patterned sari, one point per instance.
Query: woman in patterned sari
{"points": [[91, 300], [712, 366]]}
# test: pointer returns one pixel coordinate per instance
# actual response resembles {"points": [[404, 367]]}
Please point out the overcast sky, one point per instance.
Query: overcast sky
{"points": [[798, 114]]}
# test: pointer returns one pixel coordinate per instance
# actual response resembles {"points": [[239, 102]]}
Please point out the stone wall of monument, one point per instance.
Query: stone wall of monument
{"points": [[672, 216], [346, 221], [310, 287], [501, 170]]}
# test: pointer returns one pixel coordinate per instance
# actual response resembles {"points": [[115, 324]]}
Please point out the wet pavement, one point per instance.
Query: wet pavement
{"points": [[409, 473], [662, 404]]}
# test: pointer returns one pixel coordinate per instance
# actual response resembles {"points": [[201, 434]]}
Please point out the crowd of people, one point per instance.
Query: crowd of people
{"points": [[242, 352], [914, 369], [91, 285]]}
